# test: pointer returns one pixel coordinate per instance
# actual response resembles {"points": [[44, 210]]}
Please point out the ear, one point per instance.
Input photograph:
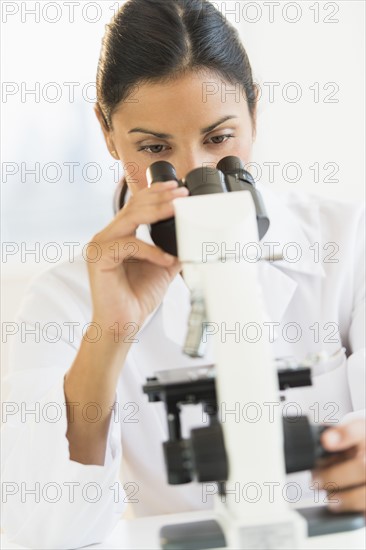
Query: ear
{"points": [[106, 131]]}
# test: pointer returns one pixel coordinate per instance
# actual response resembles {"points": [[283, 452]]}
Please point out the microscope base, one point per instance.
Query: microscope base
{"points": [[208, 534]]}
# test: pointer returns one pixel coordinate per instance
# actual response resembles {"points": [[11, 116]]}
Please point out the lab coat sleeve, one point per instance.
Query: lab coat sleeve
{"points": [[356, 361], [50, 501]]}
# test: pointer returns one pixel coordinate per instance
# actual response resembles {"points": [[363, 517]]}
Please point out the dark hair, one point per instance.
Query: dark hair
{"points": [[159, 40]]}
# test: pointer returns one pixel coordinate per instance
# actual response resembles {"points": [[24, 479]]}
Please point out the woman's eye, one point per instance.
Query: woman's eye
{"points": [[157, 149], [154, 149], [221, 139]]}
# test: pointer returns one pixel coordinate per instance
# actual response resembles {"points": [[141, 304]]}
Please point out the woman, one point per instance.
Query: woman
{"points": [[158, 59]]}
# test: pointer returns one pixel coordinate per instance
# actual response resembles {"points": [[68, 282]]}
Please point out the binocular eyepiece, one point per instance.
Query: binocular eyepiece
{"points": [[229, 175]]}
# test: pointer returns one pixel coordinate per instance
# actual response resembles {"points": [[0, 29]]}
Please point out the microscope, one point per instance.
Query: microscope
{"points": [[209, 232]]}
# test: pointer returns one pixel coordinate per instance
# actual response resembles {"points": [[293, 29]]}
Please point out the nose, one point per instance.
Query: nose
{"points": [[188, 162]]}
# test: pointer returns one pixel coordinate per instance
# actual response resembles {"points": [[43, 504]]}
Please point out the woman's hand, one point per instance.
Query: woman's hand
{"points": [[347, 479], [130, 278]]}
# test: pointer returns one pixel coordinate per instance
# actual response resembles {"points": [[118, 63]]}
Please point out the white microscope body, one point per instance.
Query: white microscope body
{"points": [[212, 232]]}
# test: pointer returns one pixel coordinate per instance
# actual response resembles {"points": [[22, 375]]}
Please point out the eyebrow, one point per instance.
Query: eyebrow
{"points": [[169, 136]]}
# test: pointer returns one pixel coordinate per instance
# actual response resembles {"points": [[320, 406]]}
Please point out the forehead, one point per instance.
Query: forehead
{"points": [[194, 99]]}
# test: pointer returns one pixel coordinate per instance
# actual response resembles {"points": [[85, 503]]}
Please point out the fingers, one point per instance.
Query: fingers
{"points": [[159, 192], [157, 187], [345, 481], [344, 436], [110, 254], [117, 242], [147, 206], [353, 500], [342, 475]]}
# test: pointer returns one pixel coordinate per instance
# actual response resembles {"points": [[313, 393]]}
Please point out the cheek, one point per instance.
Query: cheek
{"points": [[246, 155], [243, 150], [135, 173]]}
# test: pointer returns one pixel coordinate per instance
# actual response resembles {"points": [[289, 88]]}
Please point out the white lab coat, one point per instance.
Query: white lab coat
{"points": [[326, 298]]}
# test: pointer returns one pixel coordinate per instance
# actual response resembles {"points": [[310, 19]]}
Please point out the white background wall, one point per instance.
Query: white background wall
{"points": [[318, 46], [322, 51]]}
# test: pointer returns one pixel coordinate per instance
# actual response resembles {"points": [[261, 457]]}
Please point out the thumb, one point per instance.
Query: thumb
{"points": [[345, 436]]}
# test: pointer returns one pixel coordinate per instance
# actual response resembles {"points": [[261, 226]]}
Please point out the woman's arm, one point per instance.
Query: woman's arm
{"points": [[90, 385], [69, 452], [124, 290]]}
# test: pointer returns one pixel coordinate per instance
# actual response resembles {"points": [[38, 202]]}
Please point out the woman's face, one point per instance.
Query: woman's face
{"points": [[189, 122]]}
